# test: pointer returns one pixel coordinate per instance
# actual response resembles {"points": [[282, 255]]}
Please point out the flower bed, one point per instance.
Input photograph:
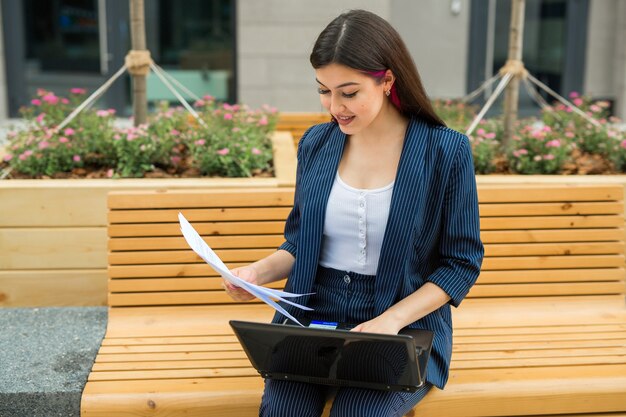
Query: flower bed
{"points": [[559, 142], [230, 141]]}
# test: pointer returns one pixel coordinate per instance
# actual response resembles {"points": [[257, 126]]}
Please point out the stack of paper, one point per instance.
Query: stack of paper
{"points": [[200, 247]]}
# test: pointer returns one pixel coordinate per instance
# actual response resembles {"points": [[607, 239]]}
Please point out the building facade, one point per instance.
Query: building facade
{"points": [[256, 51]]}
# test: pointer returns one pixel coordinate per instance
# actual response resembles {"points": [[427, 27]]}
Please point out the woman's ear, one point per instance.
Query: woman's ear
{"points": [[388, 80]]}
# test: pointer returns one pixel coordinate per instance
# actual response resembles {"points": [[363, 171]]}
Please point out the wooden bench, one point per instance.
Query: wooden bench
{"points": [[298, 123], [543, 332]]}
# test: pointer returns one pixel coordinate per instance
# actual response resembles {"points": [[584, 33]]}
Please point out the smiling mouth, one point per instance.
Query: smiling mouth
{"points": [[344, 119]]}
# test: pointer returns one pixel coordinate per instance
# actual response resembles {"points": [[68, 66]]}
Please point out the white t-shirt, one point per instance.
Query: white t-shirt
{"points": [[355, 224]]}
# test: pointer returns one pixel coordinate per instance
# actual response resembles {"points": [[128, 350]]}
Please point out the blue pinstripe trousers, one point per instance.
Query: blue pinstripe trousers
{"points": [[342, 297]]}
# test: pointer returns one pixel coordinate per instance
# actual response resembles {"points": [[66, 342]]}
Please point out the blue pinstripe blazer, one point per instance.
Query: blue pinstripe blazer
{"points": [[432, 233]]}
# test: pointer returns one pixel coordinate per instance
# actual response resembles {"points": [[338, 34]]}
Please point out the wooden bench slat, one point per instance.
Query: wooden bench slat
{"points": [[210, 347], [171, 199], [548, 192], [568, 248], [173, 284], [126, 341], [185, 256], [227, 214], [215, 242], [531, 345], [204, 229], [171, 298], [545, 209], [529, 290], [541, 262], [552, 235], [547, 329], [540, 353], [168, 356], [173, 270], [241, 362], [551, 222], [173, 374], [551, 275]]}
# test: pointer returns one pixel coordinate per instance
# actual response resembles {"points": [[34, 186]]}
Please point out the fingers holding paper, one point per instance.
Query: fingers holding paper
{"points": [[247, 274]]}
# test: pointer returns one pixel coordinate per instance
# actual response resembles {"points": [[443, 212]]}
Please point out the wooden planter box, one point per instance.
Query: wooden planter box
{"points": [[53, 242]]}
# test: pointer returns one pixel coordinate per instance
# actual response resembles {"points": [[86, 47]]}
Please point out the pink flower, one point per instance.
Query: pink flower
{"points": [[131, 137], [623, 144], [116, 137], [41, 92], [22, 157], [208, 97], [63, 139], [7, 157], [78, 91], [570, 135], [256, 151], [480, 132], [200, 142], [263, 121], [228, 116], [43, 144], [110, 173], [65, 101], [199, 103], [573, 94], [490, 135], [76, 158], [111, 111], [50, 98], [175, 160], [236, 129], [39, 118], [35, 102], [555, 143], [548, 157], [227, 107], [578, 102], [69, 131], [174, 132], [595, 108], [28, 152], [102, 113], [224, 151]]}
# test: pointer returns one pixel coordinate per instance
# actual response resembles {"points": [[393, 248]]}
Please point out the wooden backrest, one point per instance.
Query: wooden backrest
{"points": [[539, 241], [298, 123]]}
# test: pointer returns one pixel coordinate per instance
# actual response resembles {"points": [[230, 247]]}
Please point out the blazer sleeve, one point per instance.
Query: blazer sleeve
{"points": [[460, 248], [292, 226]]}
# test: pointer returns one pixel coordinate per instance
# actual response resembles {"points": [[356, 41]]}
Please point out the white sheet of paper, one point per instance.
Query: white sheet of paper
{"points": [[199, 246]]}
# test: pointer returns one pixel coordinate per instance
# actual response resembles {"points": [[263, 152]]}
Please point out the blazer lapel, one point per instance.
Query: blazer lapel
{"points": [[319, 182], [406, 196]]}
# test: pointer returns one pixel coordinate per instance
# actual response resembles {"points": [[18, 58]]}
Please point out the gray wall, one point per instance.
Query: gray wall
{"points": [[605, 69], [3, 79], [438, 40]]}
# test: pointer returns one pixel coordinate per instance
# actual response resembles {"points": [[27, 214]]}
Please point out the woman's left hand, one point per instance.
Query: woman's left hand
{"points": [[380, 324]]}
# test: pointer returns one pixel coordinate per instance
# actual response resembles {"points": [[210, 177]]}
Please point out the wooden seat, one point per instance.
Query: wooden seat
{"points": [[298, 123], [543, 332]]}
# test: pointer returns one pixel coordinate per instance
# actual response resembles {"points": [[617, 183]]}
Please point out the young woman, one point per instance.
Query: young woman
{"points": [[385, 227]]}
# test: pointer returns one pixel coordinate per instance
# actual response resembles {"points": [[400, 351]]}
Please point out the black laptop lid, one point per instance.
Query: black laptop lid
{"points": [[336, 357]]}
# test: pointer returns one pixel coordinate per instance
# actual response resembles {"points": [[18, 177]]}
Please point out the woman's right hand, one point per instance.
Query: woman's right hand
{"points": [[246, 273]]}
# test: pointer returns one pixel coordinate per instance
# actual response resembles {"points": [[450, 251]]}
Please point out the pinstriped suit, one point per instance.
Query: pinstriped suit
{"points": [[432, 232]]}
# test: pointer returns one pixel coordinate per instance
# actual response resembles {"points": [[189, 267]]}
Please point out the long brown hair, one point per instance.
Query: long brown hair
{"points": [[366, 42]]}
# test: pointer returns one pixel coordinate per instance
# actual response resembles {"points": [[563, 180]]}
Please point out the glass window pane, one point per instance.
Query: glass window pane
{"points": [[62, 35]]}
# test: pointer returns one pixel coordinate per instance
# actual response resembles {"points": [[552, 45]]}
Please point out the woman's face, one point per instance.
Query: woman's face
{"points": [[353, 98]]}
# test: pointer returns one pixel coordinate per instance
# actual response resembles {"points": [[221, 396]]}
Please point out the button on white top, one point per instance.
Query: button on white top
{"points": [[354, 227]]}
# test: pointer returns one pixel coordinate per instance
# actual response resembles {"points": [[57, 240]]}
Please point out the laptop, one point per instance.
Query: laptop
{"points": [[328, 353]]}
